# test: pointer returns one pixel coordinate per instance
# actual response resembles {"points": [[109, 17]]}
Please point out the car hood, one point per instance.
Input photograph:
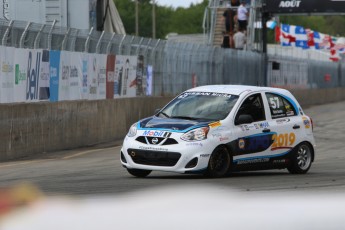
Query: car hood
{"points": [[172, 123]]}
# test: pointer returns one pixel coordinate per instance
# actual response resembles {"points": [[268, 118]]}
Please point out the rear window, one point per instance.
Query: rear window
{"points": [[279, 106]]}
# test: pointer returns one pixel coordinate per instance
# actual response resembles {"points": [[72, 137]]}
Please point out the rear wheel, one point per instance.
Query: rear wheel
{"points": [[219, 163], [139, 172], [301, 159]]}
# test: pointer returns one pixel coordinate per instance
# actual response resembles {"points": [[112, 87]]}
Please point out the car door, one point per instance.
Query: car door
{"points": [[285, 124], [254, 137]]}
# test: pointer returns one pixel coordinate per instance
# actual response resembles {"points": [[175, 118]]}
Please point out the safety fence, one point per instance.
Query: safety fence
{"points": [[171, 67]]}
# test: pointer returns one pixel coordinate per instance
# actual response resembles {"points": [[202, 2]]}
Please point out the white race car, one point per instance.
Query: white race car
{"points": [[218, 129]]}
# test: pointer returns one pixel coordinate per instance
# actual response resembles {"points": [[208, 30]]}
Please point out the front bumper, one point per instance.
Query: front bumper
{"points": [[181, 157]]}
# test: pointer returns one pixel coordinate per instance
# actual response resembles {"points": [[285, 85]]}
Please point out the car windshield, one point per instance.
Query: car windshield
{"points": [[200, 106]]}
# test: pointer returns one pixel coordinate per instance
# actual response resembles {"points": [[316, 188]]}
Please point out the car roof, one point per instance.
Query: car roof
{"points": [[236, 89]]}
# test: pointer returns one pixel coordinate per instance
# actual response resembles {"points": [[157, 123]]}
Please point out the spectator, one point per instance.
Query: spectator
{"points": [[226, 40], [242, 15], [229, 19], [239, 39]]}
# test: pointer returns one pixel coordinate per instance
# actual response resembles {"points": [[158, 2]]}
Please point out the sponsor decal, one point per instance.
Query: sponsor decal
{"points": [[241, 143], [282, 161], [306, 122], [153, 148], [264, 125], [282, 121], [215, 124], [205, 155], [283, 141], [290, 4], [223, 139], [261, 125], [6, 9], [216, 135], [186, 94], [253, 161], [153, 133], [195, 144]]}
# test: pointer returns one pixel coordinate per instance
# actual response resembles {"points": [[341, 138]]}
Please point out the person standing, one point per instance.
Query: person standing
{"points": [[228, 18], [242, 15], [239, 39]]}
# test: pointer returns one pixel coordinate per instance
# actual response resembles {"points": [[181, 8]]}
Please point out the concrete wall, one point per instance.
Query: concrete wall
{"points": [[28, 129]]}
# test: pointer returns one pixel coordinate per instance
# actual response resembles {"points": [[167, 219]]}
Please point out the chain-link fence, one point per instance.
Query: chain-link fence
{"points": [[176, 66]]}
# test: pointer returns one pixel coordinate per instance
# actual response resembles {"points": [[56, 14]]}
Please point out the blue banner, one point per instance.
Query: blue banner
{"points": [[54, 75]]}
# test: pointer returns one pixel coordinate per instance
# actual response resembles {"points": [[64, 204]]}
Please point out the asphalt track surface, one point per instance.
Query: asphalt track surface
{"points": [[98, 171]]}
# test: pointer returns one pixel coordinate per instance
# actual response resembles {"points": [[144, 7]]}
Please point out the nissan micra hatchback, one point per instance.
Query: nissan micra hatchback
{"points": [[219, 129]]}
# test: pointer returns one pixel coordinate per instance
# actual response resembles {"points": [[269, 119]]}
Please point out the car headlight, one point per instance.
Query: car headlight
{"points": [[198, 134], [132, 130]]}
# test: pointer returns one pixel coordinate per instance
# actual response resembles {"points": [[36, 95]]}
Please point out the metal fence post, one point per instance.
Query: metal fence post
{"points": [[73, 41], [5, 37], [120, 46], [98, 46], [49, 46], [139, 46], [64, 41], [87, 42], [21, 41], [109, 43], [38, 37]]}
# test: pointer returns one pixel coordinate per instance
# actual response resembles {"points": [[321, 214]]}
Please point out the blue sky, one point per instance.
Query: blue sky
{"points": [[177, 3]]}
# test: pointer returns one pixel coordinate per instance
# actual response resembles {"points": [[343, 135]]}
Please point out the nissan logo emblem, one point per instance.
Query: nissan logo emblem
{"points": [[154, 141]]}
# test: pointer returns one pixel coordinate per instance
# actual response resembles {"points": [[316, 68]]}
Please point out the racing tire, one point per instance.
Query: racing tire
{"points": [[301, 159], [219, 163], [139, 172]]}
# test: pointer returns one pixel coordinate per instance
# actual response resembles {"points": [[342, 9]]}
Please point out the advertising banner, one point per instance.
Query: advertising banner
{"points": [[34, 61], [125, 76], [21, 74], [44, 77], [92, 77], [110, 71], [149, 80], [85, 80], [54, 75], [65, 60], [101, 75], [140, 75], [304, 6], [75, 76], [7, 74]]}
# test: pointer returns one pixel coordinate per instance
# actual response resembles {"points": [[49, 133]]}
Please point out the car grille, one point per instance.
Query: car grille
{"points": [[154, 158], [159, 140]]}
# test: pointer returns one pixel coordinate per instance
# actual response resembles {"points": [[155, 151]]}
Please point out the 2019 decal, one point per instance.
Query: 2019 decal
{"points": [[283, 141]]}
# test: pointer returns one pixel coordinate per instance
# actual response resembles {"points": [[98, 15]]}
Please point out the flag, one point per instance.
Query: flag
{"points": [[294, 36], [278, 33], [334, 55]]}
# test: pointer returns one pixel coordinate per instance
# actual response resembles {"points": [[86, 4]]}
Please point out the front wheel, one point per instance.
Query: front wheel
{"points": [[219, 163], [139, 172], [301, 159]]}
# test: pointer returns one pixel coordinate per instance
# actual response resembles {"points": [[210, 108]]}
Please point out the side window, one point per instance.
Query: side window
{"points": [[252, 106], [279, 106]]}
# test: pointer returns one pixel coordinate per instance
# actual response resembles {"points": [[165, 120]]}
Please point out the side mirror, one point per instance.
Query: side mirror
{"points": [[157, 111], [244, 119]]}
